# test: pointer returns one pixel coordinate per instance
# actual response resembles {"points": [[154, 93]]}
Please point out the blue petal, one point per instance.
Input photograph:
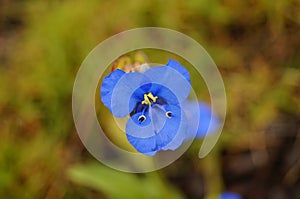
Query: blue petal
{"points": [[163, 93], [140, 129], [146, 121], [180, 137], [176, 65], [128, 91], [200, 116], [154, 123], [230, 195], [171, 79], [158, 133], [108, 86]]}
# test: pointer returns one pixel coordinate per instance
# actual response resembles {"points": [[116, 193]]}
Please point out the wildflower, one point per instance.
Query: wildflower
{"points": [[200, 124], [230, 195], [156, 103]]}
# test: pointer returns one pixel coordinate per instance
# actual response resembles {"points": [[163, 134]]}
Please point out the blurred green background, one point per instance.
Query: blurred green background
{"points": [[255, 44]]}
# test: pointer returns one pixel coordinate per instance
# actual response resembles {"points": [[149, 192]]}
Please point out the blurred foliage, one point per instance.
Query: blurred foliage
{"points": [[255, 44], [126, 185]]}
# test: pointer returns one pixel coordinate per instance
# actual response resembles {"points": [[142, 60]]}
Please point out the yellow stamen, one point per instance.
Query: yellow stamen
{"points": [[148, 97]]}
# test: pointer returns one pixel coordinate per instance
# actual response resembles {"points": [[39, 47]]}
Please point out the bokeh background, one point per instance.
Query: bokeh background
{"points": [[256, 45]]}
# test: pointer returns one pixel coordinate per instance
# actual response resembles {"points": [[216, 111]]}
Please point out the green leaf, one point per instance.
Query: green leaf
{"points": [[116, 184]]}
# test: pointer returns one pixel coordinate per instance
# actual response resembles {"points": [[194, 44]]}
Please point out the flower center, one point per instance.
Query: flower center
{"points": [[149, 99]]}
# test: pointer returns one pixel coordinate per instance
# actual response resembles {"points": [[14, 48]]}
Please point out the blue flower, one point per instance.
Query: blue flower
{"points": [[153, 100], [201, 123], [160, 116], [230, 195]]}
